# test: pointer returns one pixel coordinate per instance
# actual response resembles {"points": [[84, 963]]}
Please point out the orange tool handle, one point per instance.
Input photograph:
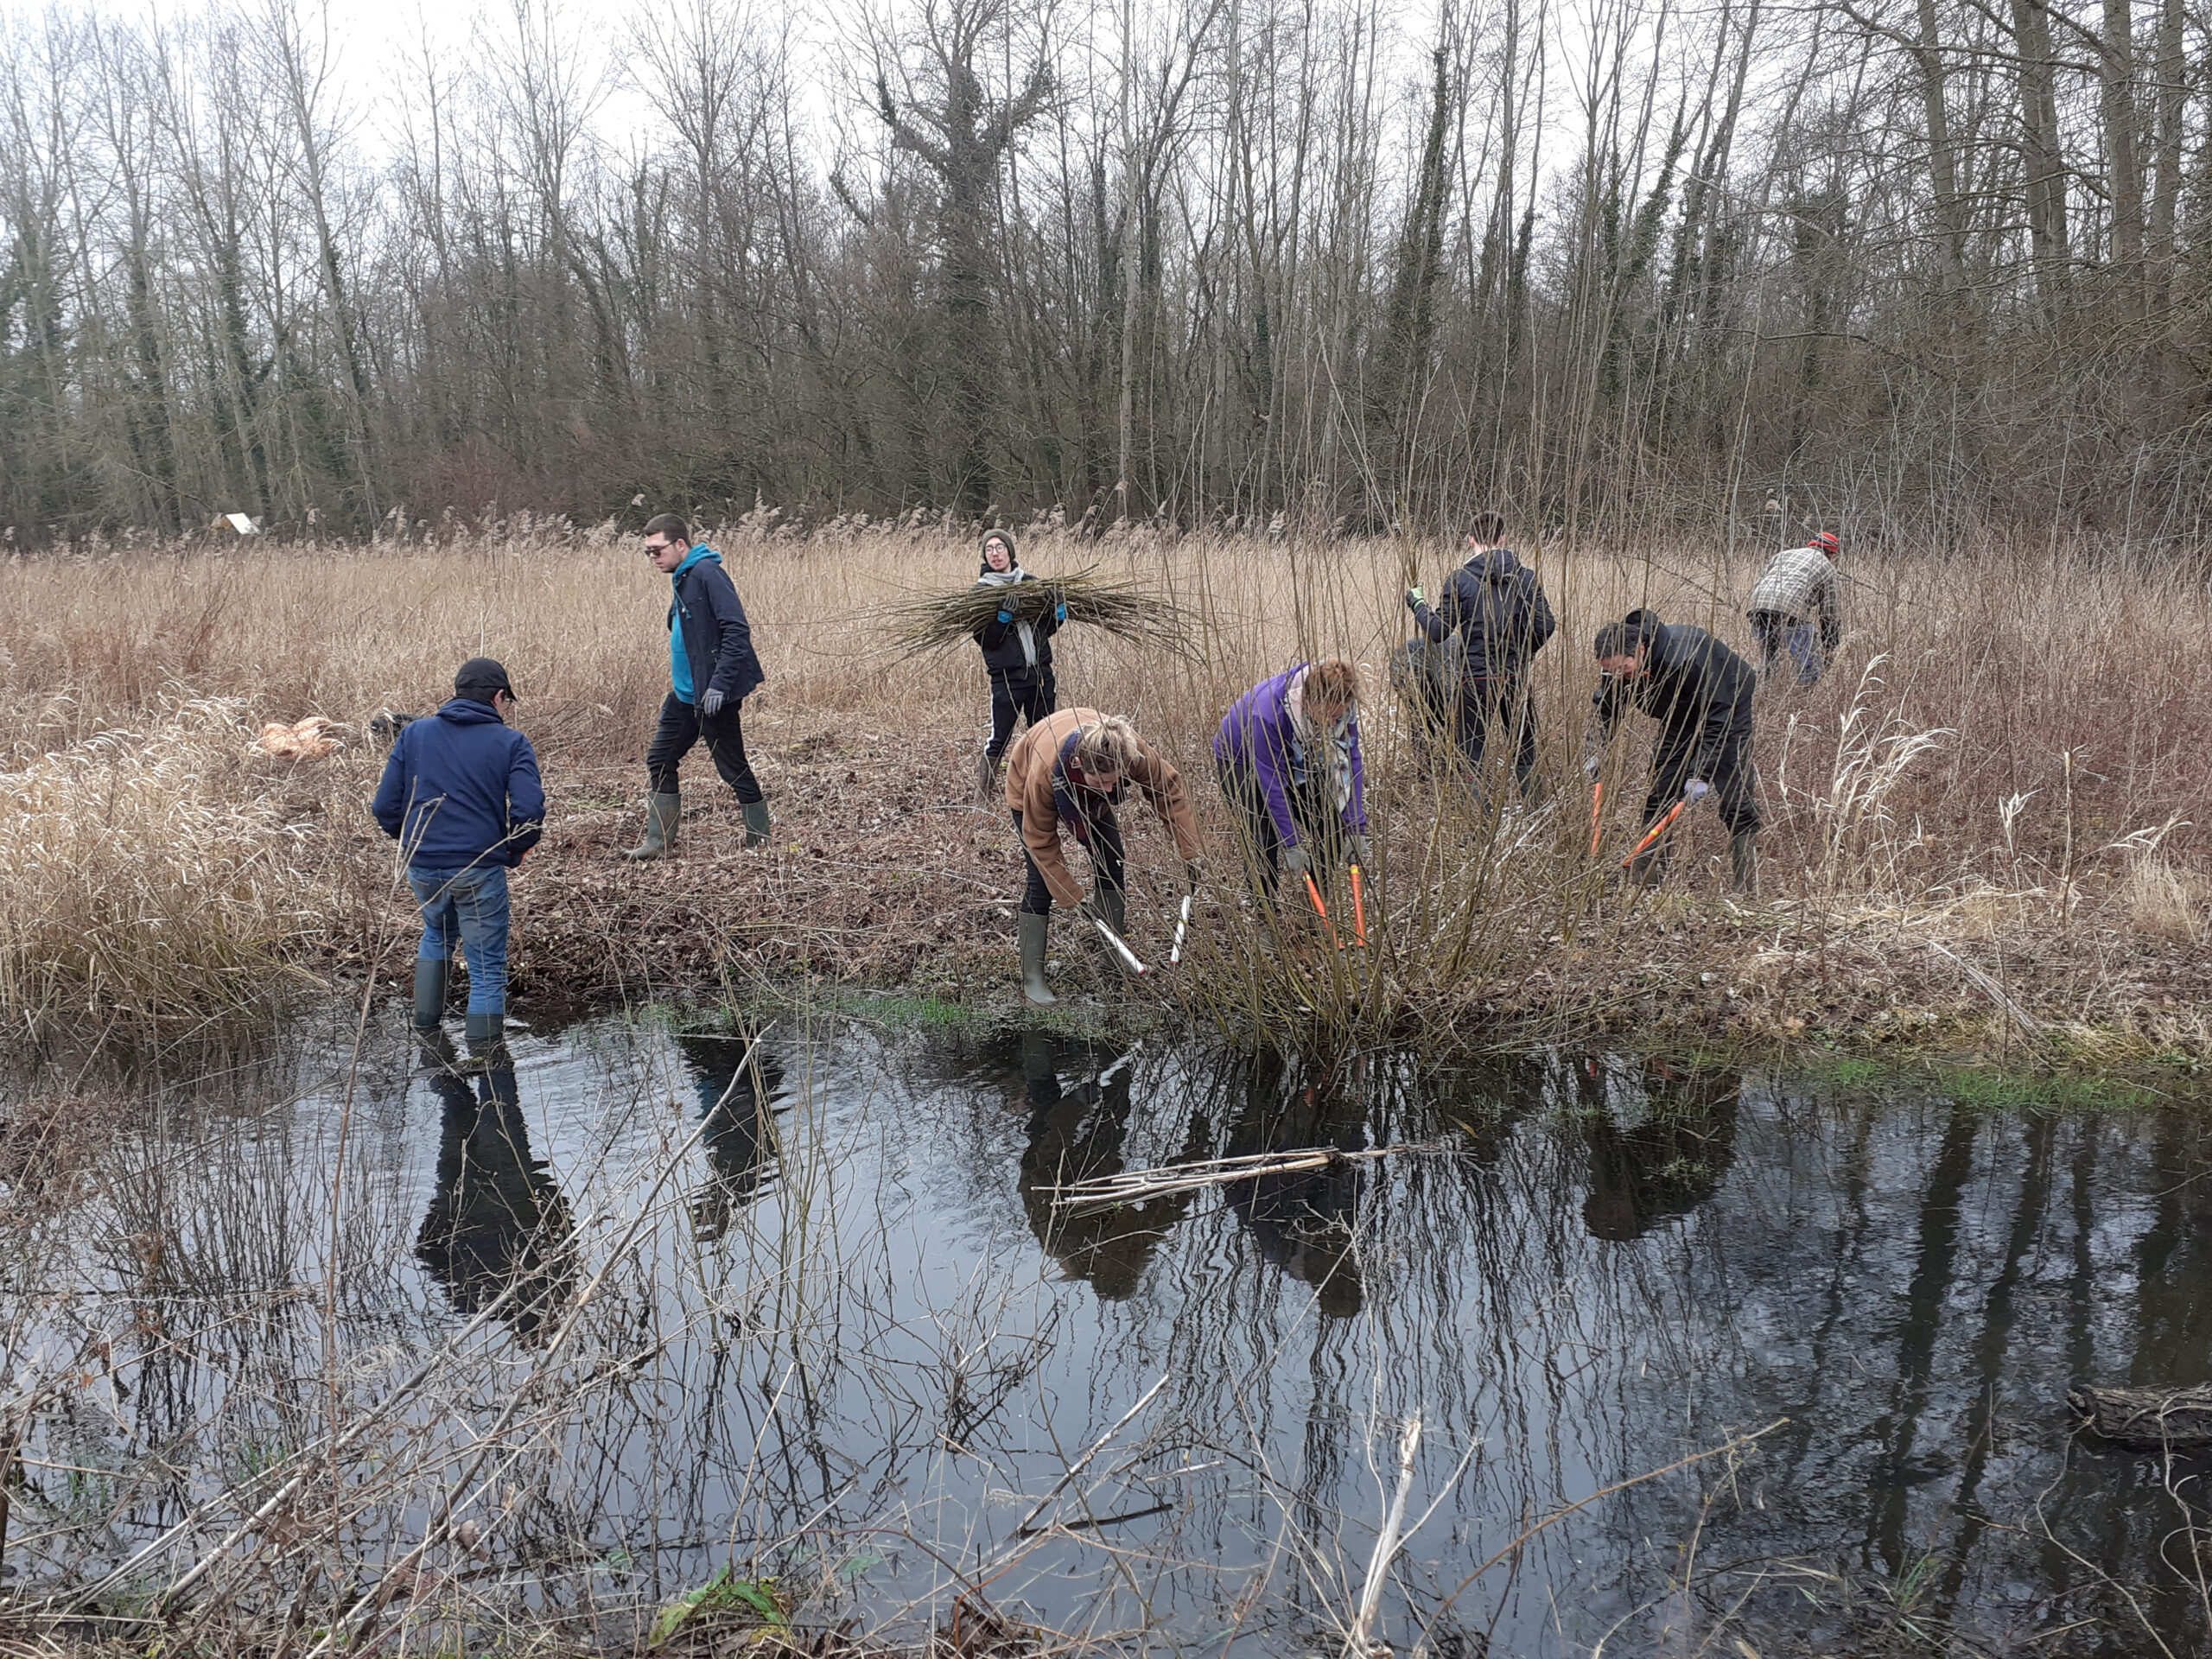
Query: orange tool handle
{"points": [[1655, 831], [1596, 806], [1314, 892], [1358, 908]]}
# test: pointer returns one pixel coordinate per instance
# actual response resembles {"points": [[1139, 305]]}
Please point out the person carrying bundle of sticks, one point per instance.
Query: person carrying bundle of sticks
{"points": [[1287, 756], [1017, 647], [1700, 692], [1068, 771]]}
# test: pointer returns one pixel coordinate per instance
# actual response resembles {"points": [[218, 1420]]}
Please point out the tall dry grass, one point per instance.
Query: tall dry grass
{"points": [[2002, 719]]}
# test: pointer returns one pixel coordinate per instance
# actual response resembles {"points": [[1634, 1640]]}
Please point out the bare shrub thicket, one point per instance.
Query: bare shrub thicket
{"points": [[1886, 265]]}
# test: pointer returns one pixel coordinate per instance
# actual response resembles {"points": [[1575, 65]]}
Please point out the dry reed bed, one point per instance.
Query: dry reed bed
{"points": [[1986, 815]]}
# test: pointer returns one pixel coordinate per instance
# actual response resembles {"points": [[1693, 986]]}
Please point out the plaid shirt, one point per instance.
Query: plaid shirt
{"points": [[1800, 583]]}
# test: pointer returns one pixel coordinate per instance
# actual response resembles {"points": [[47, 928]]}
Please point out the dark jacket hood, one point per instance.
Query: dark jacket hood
{"points": [[1498, 564], [468, 711]]}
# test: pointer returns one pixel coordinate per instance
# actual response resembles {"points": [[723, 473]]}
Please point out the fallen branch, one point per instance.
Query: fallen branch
{"points": [[1137, 1185]]}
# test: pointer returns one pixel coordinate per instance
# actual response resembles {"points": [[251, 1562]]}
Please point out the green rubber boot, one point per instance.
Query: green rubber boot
{"points": [[663, 812], [487, 1042], [756, 823], [431, 980], [1744, 854], [1032, 930]]}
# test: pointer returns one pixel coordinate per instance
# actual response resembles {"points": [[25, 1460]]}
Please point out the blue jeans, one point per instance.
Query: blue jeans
{"points": [[1802, 640], [468, 907]]}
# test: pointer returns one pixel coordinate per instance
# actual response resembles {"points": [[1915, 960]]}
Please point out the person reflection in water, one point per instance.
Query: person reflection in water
{"points": [[1666, 1163], [1075, 1134], [495, 1222], [740, 1133], [1303, 1223]]}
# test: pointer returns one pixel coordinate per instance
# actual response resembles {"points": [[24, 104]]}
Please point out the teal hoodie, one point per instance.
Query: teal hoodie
{"points": [[679, 665]]}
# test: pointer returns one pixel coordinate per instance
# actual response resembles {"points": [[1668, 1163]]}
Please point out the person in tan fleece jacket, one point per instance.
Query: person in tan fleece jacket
{"points": [[1068, 771]]}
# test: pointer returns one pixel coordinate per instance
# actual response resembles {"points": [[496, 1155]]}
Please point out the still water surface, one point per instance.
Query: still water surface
{"points": [[854, 1344]]}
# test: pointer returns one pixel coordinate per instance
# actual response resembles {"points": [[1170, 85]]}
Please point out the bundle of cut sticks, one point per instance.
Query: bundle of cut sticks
{"points": [[1118, 607]]}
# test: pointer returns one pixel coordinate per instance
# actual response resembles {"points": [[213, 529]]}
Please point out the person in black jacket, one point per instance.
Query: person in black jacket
{"points": [[1496, 606], [1017, 647], [712, 670], [1699, 691]]}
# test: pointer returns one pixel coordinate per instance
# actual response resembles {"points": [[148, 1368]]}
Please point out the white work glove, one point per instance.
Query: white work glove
{"points": [[1359, 850], [1696, 791], [1294, 861], [1592, 766]]}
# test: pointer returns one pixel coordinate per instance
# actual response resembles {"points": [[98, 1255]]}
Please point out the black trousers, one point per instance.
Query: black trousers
{"points": [[1018, 696], [1109, 862], [1501, 707], [1734, 781], [1320, 831], [680, 727]]}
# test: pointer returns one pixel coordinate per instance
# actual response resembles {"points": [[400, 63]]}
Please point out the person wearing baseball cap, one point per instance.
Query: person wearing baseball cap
{"points": [[1798, 588], [460, 794]]}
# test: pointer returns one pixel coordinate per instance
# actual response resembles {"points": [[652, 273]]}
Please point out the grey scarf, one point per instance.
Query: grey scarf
{"points": [[1007, 579]]}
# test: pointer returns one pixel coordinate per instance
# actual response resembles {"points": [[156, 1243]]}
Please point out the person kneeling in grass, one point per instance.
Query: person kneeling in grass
{"points": [[1288, 760], [712, 669], [461, 796], [1700, 692], [1068, 771]]}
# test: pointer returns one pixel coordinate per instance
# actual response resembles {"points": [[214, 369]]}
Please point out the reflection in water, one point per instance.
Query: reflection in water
{"points": [[496, 1220], [1303, 1223], [1077, 1132], [740, 1133], [1615, 1265], [1667, 1158]]}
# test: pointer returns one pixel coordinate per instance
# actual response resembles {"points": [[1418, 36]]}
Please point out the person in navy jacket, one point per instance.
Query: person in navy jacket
{"points": [[711, 670], [460, 794]]}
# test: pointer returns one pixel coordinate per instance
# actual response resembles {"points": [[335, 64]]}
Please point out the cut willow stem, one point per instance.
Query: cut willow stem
{"points": [[1134, 1186], [1386, 1546]]}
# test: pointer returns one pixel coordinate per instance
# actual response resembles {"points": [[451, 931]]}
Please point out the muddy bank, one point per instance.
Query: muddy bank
{"points": [[881, 875]]}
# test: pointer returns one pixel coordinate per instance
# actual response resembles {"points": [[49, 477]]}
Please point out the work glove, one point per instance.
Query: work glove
{"points": [[1060, 612], [1359, 850], [1415, 599], [1005, 616], [1592, 766], [1294, 861], [1696, 791], [711, 704]]}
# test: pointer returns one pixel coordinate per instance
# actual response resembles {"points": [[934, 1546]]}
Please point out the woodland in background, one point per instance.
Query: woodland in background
{"points": [[1897, 267]]}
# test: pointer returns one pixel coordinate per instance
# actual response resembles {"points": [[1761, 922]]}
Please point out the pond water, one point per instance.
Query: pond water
{"points": [[835, 1330]]}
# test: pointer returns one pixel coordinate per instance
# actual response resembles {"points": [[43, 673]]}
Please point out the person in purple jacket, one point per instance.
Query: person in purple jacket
{"points": [[1288, 761]]}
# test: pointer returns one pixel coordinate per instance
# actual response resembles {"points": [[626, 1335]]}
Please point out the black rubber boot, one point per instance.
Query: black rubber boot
{"points": [[662, 813], [1032, 930], [1744, 855], [430, 978], [756, 823]]}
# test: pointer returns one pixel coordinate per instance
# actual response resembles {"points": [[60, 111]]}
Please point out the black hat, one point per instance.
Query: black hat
{"points": [[484, 674]]}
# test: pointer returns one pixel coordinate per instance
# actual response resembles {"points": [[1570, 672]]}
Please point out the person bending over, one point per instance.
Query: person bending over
{"points": [[1700, 692], [1496, 606], [1798, 588], [1067, 773], [1287, 756]]}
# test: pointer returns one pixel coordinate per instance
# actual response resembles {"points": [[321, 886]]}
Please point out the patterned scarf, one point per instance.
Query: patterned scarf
{"points": [[1334, 744]]}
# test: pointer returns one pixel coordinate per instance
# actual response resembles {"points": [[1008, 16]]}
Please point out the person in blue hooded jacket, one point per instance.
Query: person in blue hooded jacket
{"points": [[460, 794], [711, 670]]}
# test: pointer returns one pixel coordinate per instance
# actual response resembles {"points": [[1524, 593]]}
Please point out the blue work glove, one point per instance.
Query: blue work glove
{"points": [[711, 704], [1696, 791], [1005, 617], [1415, 599], [1060, 612]]}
